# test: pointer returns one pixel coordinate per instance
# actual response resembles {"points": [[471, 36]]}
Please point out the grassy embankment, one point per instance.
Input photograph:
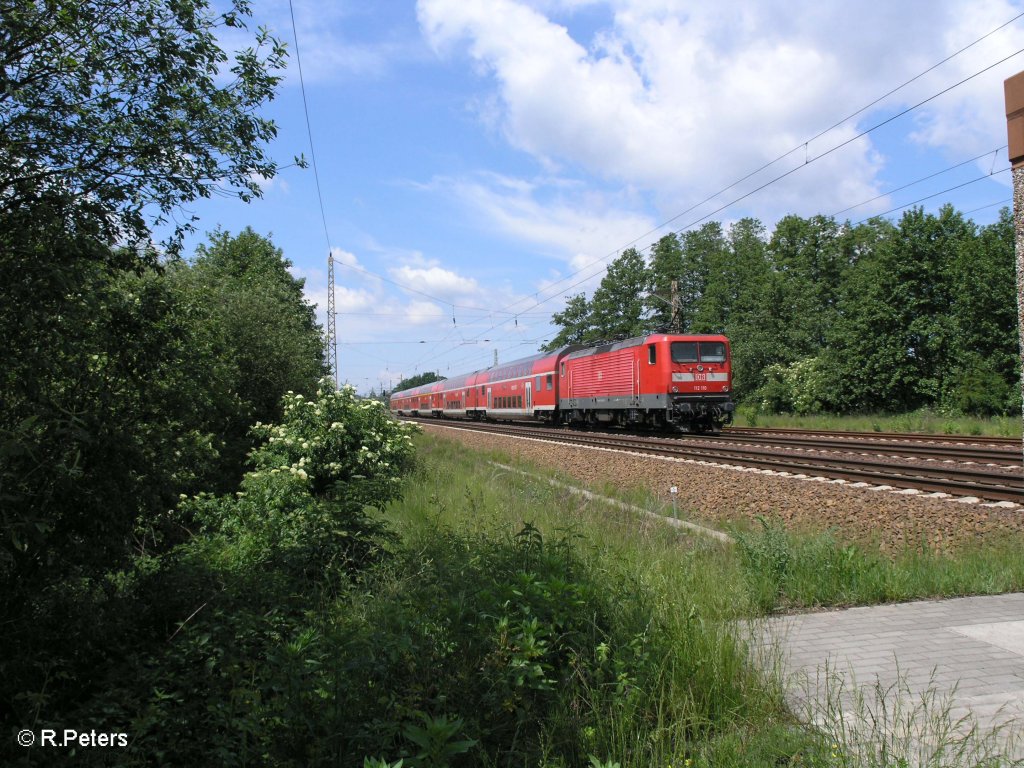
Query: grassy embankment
{"points": [[926, 421], [486, 619], [624, 632]]}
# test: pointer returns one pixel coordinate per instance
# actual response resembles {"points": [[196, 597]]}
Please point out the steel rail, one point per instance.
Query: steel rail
{"points": [[909, 437], [945, 451], [946, 479]]}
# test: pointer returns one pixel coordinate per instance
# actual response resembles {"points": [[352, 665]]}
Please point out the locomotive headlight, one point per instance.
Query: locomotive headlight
{"points": [[675, 389], [725, 389]]}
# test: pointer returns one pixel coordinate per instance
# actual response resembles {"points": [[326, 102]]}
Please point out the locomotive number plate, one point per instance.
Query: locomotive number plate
{"points": [[700, 377]]}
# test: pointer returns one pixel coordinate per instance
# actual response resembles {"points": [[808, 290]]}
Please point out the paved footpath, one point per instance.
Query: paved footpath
{"points": [[964, 656]]}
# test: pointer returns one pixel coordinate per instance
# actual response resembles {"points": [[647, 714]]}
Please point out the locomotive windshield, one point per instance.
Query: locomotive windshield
{"points": [[712, 352], [684, 351], [692, 352]]}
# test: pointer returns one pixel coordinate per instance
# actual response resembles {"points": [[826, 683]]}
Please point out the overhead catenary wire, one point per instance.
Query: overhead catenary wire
{"points": [[918, 181], [1007, 201], [309, 128], [818, 135], [774, 180], [807, 160], [929, 197]]}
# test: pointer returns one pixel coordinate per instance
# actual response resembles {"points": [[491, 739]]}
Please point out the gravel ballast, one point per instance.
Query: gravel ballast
{"points": [[716, 494]]}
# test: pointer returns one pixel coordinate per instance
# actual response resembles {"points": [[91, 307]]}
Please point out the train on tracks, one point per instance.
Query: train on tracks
{"points": [[667, 382]]}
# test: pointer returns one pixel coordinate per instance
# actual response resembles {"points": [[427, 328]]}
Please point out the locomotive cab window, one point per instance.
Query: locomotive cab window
{"points": [[712, 352], [684, 351], [652, 354]]}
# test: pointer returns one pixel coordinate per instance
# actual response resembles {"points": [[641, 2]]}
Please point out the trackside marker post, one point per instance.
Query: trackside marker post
{"points": [[1013, 89]]}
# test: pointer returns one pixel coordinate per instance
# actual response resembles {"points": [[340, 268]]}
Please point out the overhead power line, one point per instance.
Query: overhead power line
{"points": [[562, 291], [331, 342], [804, 144], [918, 181], [929, 197], [309, 128], [776, 179]]}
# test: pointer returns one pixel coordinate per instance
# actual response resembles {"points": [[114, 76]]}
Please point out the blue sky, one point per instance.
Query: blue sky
{"points": [[479, 153]]}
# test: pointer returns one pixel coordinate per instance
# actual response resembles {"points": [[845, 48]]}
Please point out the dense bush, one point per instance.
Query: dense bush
{"points": [[121, 390], [203, 650]]}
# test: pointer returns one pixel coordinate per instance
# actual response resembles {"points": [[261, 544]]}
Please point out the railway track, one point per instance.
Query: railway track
{"points": [[989, 472], [906, 437], [893, 445]]}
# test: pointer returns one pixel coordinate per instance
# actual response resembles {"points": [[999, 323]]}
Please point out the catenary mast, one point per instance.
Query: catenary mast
{"points": [[332, 332]]}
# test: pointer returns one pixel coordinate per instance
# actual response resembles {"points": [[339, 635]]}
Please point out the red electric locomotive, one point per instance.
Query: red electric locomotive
{"points": [[660, 381]]}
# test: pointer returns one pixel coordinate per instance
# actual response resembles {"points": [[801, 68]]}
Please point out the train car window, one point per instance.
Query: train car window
{"points": [[684, 351], [563, 369], [536, 386], [652, 354], [549, 382], [712, 352]]}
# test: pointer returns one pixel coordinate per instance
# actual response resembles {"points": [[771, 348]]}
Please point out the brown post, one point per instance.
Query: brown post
{"points": [[1013, 88], [675, 306]]}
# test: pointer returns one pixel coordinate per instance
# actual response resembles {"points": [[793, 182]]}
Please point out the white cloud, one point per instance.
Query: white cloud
{"points": [[424, 313], [679, 99], [346, 258], [570, 223], [437, 281]]}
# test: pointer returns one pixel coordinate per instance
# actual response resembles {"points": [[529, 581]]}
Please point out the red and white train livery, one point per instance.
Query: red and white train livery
{"points": [[660, 381]]}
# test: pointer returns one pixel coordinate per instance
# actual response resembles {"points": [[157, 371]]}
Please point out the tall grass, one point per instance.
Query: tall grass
{"points": [[668, 680], [925, 421], [786, 570]]}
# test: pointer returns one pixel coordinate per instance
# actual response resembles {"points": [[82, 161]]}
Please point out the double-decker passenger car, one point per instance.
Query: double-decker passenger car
{"points": [[659, 381]]}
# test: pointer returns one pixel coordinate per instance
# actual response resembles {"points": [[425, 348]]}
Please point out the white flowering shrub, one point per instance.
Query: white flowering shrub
{"points": [[304, 505], [338, 444]]}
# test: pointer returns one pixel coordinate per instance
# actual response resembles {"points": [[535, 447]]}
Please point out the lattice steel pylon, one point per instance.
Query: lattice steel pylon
{"points": [[332, 331]]}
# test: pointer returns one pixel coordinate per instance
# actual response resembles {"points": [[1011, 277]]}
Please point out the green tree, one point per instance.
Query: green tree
{"points": [[110, 394], [111, 108], [275, 340], [984, 323], [110, 401], [247, 306], [892, 346], [427, 377], [736, 301], [807, 256], [666, 268], [702, 248], [617, 307], [575, 321]]}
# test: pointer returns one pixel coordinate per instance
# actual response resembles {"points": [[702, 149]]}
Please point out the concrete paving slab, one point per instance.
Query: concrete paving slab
{"points": [[1004, 634], [907, 677]]}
